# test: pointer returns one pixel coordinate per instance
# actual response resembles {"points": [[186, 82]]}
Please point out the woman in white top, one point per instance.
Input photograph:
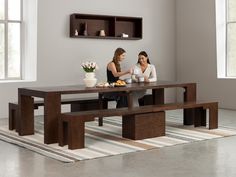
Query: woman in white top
{"points": [[145, 69]]}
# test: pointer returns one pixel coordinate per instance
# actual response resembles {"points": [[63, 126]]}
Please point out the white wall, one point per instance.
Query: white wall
{"points": [[59, 57], [196, 51]]}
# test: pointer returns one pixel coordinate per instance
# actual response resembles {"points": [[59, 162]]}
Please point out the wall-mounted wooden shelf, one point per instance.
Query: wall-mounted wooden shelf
{"points": [[113, 26]]}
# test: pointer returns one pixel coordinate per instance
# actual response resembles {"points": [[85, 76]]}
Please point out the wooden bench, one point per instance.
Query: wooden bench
{"points": [[137, 123], [77, 104], [199, 108], [72, 125]]}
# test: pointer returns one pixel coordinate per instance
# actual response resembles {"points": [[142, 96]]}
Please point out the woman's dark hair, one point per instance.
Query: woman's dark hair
{"points": [[118, 52], [144, 54]]}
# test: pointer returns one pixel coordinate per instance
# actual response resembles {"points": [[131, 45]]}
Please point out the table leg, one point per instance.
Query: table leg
{"points": [[26, 115], [158, 96], [130, 99], [103, 104], [52, 111], [189, 95]]}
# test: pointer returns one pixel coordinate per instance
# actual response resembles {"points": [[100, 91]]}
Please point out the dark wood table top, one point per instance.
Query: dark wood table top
{"points": [[71, 89]]}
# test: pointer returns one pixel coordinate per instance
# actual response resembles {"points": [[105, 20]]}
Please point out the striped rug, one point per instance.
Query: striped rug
{"points": [[107, 140]]}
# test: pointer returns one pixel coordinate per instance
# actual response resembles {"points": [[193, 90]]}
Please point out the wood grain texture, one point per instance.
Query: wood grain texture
{"points": [[141, 126], [52, 103]]}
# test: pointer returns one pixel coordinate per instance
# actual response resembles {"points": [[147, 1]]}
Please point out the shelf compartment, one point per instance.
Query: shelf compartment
{"points": [[113, 26], [130, 26], [94, 25]]}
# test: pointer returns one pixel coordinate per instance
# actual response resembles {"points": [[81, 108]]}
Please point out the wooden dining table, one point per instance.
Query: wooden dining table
{"points": [[52, 102]]}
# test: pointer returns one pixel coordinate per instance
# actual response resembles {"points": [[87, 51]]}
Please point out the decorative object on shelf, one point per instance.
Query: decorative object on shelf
{"points": [[124, 35], [85, 29], [89, 68], [102, 33], [76, 32]]}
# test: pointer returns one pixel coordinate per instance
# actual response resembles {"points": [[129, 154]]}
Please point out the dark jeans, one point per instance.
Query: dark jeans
{"points": [[119, 97], [145, 100]]}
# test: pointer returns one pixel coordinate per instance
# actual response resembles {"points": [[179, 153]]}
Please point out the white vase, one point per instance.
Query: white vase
{"points": [[90, 80]]}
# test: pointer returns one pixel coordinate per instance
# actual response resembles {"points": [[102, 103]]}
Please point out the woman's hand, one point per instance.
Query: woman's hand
{"points": [[146, 79], [130, 71]]}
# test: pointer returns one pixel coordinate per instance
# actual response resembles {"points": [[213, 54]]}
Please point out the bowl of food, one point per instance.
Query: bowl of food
{"points": [[120, 83], [103, 84]]}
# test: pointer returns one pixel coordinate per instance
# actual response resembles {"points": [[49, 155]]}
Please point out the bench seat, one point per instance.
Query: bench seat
{"points": [[202, 105], [71, 129]]}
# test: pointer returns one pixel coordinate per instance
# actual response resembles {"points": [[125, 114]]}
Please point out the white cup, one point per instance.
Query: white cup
{"points": [[141, 79], [136, 71], [128, 80], [133, 77]]}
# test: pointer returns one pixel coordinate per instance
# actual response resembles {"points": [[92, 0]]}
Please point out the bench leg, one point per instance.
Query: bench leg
{"points": [[13, 116], [76, 133], [63, 133], [213, 116], [141, 126], [72, 132], [189, 95], [25, 119], [199, 117]]}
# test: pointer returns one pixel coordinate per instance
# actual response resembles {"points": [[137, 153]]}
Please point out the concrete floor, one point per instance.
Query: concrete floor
{"points": [[211, 158]]}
